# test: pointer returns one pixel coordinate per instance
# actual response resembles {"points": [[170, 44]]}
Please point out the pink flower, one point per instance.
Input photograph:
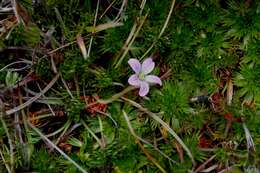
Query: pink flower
{"points": [[141, 78]]}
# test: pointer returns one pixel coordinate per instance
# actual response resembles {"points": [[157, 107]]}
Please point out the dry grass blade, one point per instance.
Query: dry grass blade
{"points": [[210, 169], [5, 162], [166, 126], [102, 27], [249, 139], [24, 105], [94, 25], [132, 36], [162, 30], [82, 46], [110, 5], [229, 91], [11, 152], [204, 164], [119, 15], [141, 139], [138, 139], [101, 144], [55, 147]]}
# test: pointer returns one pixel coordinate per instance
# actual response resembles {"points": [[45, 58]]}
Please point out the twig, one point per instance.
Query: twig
{"points": [[210, 169], [226, 170]]}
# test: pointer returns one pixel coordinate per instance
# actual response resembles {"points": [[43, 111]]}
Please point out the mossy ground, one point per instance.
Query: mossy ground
{"points": [[64, 74]]}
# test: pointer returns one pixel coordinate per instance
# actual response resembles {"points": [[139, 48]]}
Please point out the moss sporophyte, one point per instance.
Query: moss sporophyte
{"points": [[141, 78]]}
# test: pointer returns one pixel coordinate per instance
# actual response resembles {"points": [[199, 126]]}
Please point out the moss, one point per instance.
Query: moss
{"points": [[209, 49]]}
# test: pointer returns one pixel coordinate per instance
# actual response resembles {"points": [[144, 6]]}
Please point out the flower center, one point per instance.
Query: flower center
{"points": [[141, 76]]}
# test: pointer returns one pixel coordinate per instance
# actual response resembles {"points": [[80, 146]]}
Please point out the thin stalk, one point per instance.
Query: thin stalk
{"points": [[92, 133], [94, 25], [101, 131], [117, 18], [110, 5], [66, 86], [57, 131], [30, 101], [41, 116], [63, 46], [66, 127], [114, 97], [162, 30], [142, 7], [131, 42], [49, 106], [5, 162], [16, 62], [149, 157], [129, 38], [11, 147], [166, 126], [141, 139], [55, 147]]}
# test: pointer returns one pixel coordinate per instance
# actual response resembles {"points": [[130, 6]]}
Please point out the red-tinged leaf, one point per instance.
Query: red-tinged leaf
{"points": [[65, 147], [93, 107], [205, 143], [82, 46], [231, 118]]}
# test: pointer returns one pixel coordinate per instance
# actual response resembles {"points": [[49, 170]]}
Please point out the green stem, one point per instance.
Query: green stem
{"points": [[116, 96]]}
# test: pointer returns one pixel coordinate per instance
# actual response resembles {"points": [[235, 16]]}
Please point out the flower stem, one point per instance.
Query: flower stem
{"points": [[116, 96]]}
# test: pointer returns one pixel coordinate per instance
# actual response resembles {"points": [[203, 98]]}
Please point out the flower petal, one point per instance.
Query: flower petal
{"points": [[134, 80], [135, 65], [153, 79], [144, 88], [148, 65]]}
